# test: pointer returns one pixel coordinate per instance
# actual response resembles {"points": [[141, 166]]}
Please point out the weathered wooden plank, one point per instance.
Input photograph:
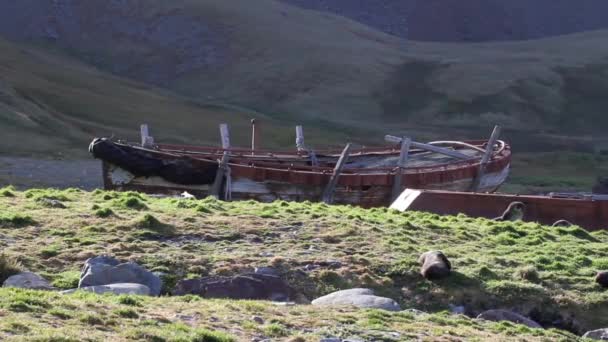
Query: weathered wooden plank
{"points": [[225, 136], [300, 138], [253, 136], [486, 158], [146, 139], [331, 186], [302, 147], [431, 148], [403, 156], [216, 188]]}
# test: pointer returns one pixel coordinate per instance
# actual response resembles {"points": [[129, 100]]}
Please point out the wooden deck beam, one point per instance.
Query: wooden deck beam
{"points": [[328, 194]]}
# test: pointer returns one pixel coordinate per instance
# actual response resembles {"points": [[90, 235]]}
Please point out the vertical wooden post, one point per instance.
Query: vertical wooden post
{"points": [[225, 136], [328, 194], [223, 164], [146, 139], [300, 138], [253, 136], [403, 156], [485, 159]]}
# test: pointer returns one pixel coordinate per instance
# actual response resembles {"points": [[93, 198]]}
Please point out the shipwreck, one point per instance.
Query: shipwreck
{"points": [[368, 177]]}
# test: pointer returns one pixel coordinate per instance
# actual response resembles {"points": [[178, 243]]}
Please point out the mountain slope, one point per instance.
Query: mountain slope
{"points": [[332, 74], [51, 103], [471, 20]]}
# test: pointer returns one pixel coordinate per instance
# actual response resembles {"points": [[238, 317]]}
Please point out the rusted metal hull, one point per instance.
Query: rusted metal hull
{"points": [[589, 213], [363, 187]]}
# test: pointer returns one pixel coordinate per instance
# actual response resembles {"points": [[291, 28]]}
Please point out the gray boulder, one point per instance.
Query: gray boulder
{"points": [[600, 334], [28, 280], [246, 286], [361, 298], [106, 270], [506, 315], [126, 288]]}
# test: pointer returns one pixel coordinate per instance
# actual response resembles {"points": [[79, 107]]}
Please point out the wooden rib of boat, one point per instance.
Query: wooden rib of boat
{"points": [[587, 211], [366, 180]]}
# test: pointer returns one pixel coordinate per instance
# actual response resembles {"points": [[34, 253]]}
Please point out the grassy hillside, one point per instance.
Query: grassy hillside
{"points": [[543, 272], [335, 74], [52, 104]]}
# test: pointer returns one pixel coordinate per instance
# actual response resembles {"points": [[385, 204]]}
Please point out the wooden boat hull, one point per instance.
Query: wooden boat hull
{"points": [[370, 188], [590, 213]]}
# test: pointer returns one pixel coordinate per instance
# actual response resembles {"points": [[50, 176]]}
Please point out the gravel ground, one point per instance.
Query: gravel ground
{"points": [[31, 172]]}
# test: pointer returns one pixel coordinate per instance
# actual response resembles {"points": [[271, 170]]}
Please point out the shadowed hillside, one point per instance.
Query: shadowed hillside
{"points": [[298, 66], [470, 20], [52, 104]]}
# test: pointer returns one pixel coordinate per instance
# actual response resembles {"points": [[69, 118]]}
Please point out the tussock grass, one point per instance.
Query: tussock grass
{"points": [[9, 266], [542, 271], [15, 220]]}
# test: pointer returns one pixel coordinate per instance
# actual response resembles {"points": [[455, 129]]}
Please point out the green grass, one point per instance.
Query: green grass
{"points": [[555, 171], [98, 318], [544, 272]]}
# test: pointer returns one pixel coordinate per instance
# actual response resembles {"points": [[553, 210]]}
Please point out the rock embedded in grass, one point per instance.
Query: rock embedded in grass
{"points": [[599, 334], [106, 270], [267, 271], [118, 289], [28, 280], [602, 278], [361, 298], [434, 265], [506, 315], [51, 203]]}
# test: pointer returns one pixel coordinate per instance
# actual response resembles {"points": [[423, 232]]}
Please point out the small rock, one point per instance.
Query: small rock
{"points": [[600, 334], [361, 298], [266, 270], [266, 254], [106, 270], [333, 264], [257, 319], [283, 303], [457, 310], [602, 278], [51, 203], [330, 339], [118, 289], [310, 267], [415, 312], [505, 315], [28, 280], [434, 265]]}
